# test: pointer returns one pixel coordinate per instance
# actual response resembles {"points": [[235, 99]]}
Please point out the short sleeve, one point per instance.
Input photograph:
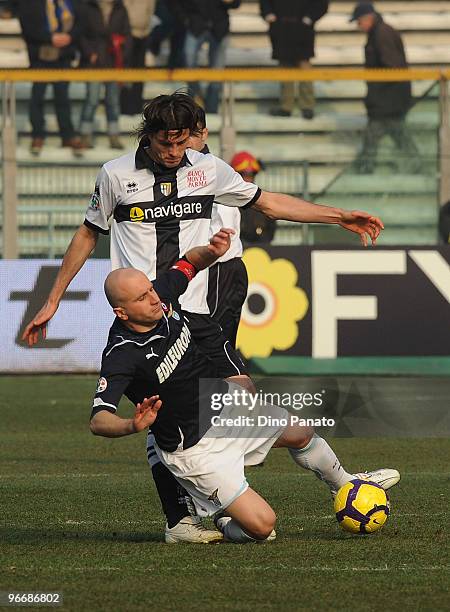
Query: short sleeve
{"points": [[102, 204], [117, 373], [231, 189]]}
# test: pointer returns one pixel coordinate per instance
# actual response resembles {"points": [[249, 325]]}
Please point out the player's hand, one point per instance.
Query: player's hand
{"points": [[40, 321], [362, 223], [220, 242], [146, 412]]}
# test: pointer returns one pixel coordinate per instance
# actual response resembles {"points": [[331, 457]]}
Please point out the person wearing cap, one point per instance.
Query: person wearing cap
{"points": [[387, 103], [291, 30], [255, 227]]}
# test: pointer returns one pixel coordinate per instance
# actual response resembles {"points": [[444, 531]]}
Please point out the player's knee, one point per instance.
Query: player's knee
{"points": [[307, 436], [93, 428], [263, 526], [303, 437], [243, 381]]}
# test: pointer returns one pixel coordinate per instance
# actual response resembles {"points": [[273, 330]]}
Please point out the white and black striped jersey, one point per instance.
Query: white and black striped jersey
{"points": [[225, 216], [159, 213], [164, 361]]}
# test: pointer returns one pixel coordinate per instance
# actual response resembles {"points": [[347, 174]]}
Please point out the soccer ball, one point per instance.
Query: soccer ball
{"points": [[361, 506]]}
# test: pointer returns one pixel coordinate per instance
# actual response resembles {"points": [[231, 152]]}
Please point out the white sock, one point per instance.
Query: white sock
{"points": [[233, 532], [320, 458]]}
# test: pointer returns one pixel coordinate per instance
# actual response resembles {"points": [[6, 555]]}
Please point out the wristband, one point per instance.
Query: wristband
{"points": [[183, 265]]}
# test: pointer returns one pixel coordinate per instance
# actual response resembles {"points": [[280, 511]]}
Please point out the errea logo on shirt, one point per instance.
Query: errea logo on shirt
{"points": [[131, 186]]}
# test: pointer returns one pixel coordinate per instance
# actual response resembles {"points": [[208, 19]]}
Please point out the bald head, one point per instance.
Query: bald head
{"points": [[122, 284], [133, 299]]}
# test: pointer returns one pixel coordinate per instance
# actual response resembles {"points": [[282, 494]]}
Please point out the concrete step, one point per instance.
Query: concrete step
{"points": [[243, 91], [334, 55], [431, 54], [40, 243], [50, 184], [347, 116], [425, 235], [413, 19], [350, 184], [354, 38], [329, 236], [335, 149], [394, 210]]}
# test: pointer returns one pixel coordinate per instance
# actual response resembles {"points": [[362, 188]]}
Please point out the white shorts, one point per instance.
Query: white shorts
{"points": [[212, 471]]}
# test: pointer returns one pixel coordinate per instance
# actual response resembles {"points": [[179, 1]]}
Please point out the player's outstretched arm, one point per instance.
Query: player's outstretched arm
{"points": [[204, 256], [81, 246], [110, 425], [282, 206]]}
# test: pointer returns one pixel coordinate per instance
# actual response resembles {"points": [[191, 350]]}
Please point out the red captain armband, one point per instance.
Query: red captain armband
{"points": [[187, 268]]}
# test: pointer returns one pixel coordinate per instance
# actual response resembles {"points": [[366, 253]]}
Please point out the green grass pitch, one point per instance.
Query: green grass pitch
{"points": [[79, 514]]}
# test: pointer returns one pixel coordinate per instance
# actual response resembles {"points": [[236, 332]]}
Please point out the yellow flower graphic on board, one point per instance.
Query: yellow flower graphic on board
{"points": [[274, 305]]}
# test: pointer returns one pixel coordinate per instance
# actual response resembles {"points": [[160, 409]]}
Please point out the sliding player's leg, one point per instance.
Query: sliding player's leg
{"points": [[183, 524], [248, 518], [312, 452]]}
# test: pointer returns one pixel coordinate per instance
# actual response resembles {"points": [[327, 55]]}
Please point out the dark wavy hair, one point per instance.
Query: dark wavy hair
{"points": [[175, 112]]}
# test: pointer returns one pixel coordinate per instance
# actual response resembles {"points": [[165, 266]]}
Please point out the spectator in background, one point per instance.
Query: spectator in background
{"points": [[105, 43], [255, 227], [8, 9], [206, 21], [172, 28], [50, 31], [140, 13], [386, 103], [291, 28]]}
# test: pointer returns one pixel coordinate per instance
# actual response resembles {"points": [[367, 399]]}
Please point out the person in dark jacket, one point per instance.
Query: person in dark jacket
{"points": [[388, 103], [206, 21], [105, 43], [140, 13], [291, 29], [169, 27], [50, 31]]}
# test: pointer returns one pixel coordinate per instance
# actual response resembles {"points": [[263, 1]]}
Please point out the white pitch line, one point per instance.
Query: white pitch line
{"points": [[332, 516], [115, 521], [272, 568], [70, 475]]}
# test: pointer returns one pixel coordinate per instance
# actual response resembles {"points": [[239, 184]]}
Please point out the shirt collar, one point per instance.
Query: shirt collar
{"points": [[143, 160]]}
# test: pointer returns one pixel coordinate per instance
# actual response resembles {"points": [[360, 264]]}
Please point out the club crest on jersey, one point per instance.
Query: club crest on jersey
{"points": [[101, 384], [166, 189], [95, 200], [175, 315]]}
